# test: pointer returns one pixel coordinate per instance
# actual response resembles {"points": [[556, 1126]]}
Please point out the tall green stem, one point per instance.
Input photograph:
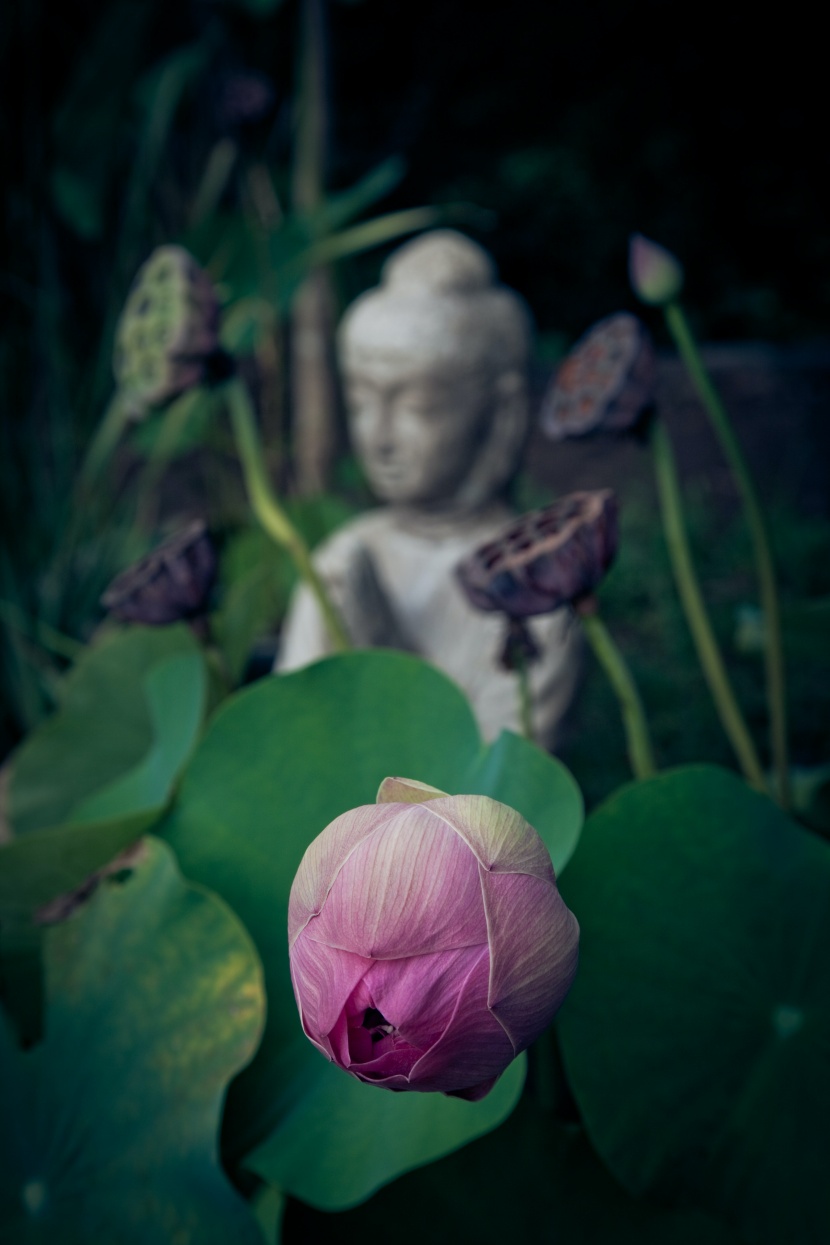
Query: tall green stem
{"points": [[88, 503], [101, 448], [525, 699], [638, 739], [688, 587], [268, 510], [773, 644]]}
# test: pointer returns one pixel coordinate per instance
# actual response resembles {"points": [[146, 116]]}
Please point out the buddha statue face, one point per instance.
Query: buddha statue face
{"points": [[417, 421], [435, 379]]}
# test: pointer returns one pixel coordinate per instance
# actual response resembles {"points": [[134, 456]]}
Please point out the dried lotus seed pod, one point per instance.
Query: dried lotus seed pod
{"points": [[171, 584], [168, 329], [545, 559], [605, 384]]}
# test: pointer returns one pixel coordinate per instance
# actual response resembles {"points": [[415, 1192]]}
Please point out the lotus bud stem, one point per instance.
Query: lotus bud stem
{"points": [[268, 510], [109, 432], [691, 597], [525, 699], [773, 645], [638, 738]]}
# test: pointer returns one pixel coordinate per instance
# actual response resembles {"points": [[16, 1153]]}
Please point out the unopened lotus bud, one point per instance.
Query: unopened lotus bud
{"points": [[545, 559], [171, 584], [428, 942], [656, 276], [605, 384], [168, 331]]}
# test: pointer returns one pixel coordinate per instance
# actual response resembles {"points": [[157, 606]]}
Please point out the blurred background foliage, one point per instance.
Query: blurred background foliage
{"points": [[550, 132]]}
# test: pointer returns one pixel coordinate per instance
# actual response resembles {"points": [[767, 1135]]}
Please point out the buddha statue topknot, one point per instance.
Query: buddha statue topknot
{"points": [[434, 363]]}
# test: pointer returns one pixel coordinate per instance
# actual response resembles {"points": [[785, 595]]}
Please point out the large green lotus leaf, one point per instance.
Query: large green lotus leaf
{"points": [[154, 999], [34, 869], [385, 1134], [534, 1179], [176, 693], [279, 762], [697, 1034], [38, 865], [130, 713]]}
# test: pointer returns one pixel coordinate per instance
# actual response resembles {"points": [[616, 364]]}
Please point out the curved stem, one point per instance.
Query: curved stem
{"points": [[691, 597], [773, 643], [172, 430], [638, 739], [106, 437], [87, 505], [268, 510], [46, 636]]}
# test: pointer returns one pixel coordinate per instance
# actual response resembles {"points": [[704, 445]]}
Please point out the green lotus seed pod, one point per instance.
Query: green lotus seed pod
{"points": [[168, 330]]}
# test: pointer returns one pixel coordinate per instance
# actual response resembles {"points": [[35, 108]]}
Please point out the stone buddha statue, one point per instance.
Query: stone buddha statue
{"points": [[434, 362]]}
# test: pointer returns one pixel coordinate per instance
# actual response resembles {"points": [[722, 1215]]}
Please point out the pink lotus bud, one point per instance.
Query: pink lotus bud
{"points": [[427, 939], [656, 276]]}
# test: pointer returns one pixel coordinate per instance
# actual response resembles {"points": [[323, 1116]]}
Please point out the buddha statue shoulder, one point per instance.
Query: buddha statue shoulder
{"points": [[434, 363]]}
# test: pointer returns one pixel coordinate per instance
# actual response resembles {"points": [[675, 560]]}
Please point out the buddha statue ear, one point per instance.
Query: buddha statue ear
{"points": [[498, 457]]}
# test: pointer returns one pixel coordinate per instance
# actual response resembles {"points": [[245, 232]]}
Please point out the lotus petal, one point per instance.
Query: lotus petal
{"points": [[406, 791], [499, 837], [325, 857], [474, 1046], [323, 979], [418, 995], [411, 888], [534, 940]]}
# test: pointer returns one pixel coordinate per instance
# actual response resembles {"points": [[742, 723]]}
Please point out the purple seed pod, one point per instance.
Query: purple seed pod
{"points": [[427, 939], [548, 558], [168, 330], [244, 97], [606, 382], [171, 584]]}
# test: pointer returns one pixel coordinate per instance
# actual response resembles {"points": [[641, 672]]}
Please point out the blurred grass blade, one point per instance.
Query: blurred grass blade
{"points": [[84, 133], [363, 237], [339, 209]]}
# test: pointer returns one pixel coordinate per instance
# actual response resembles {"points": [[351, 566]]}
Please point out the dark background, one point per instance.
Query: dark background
{"points": [[702, 126]]}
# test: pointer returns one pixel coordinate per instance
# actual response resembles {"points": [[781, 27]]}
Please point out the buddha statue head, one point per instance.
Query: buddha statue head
{"points": [[434, 362]]}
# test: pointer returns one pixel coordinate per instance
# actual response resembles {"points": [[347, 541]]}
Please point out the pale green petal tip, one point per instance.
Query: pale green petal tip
{"points": [[407, 791], [656, 275]]}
